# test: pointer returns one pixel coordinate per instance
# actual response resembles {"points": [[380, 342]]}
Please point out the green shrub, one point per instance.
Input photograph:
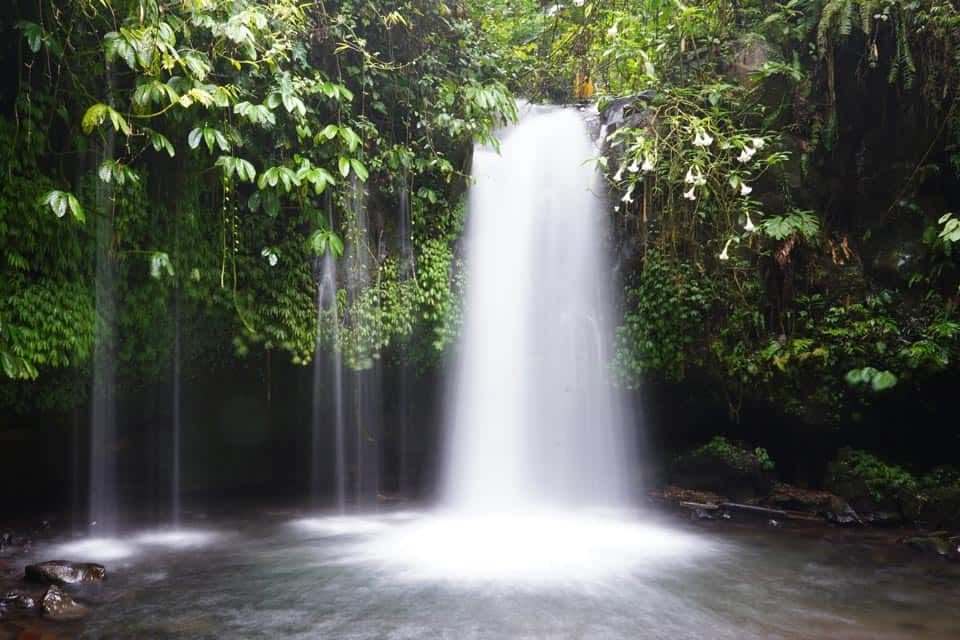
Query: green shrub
{"points": [[735, 455], [856, 472]]}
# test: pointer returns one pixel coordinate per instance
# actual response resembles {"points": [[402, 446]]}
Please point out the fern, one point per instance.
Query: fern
{"points": [[846, 19], [902, 66], [837, 23]]}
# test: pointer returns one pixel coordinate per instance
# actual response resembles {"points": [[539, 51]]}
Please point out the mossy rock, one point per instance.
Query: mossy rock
{"points": [[725, 468], [872, 486]]}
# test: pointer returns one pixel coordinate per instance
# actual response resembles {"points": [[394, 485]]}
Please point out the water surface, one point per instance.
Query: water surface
{"points": [[283, 576]]}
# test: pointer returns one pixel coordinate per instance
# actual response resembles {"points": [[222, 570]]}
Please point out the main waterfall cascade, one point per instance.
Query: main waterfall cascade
{"points": [[537, 482], [534, 421]]}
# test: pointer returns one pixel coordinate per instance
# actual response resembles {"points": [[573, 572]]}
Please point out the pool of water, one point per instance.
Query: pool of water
{"points": [[420, 575]]}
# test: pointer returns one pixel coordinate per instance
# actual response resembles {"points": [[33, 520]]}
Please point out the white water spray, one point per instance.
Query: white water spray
{"points": [[534, 421]]}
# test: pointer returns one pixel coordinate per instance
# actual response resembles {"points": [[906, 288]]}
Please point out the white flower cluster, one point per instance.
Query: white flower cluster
{"points": [[702, 139], [694, 178], [749, 150]]}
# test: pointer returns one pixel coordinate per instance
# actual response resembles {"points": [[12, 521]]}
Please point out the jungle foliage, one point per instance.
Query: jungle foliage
{"points": [[760, 182], [223, 148], [773, 161]]}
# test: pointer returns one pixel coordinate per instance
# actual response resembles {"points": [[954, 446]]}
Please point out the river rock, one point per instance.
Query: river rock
{"points": [[627, 111], [9, 540], [58, 605], [943, 547], [63, 572], [843, 514], [701, 514], [751, 53], [19, 599]]}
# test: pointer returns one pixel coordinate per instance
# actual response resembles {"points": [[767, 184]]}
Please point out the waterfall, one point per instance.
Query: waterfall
{"points": [[533, 421], [406, 273], [366, 381], [175, 469], [536, 483], [328, 385], [103, 440], [103, 436]]}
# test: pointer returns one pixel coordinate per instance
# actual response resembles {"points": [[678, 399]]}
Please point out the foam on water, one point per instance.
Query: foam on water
{"points": [[544, 548], [340, 525], [96, 549], [134, 544], [177, 538]]}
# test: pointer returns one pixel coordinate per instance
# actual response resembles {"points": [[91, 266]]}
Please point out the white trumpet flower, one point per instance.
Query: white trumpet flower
{"points": [[695, 177], [749, 226], [758, 143], [691, 194], [723, 254], [702, 139], [618, 176], [647, 165], [628, 196], [747, 154], [745, 189], [634, 167]]}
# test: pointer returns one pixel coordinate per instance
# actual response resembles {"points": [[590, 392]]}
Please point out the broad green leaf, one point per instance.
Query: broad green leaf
{"points": [[76, 209], [94, 117], [359, 169], [59, 202], [330, 131], [336, 244], [161, 143], [116, 45], [884, 380], [33, 33], [195, 138], [350, 137]]}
